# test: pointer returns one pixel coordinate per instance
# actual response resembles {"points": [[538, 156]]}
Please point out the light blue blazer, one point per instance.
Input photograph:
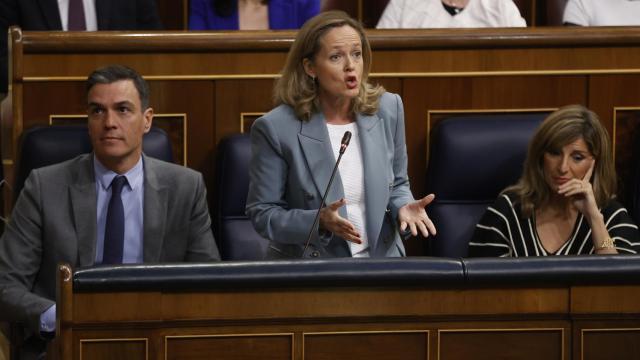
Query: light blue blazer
{"points": [[291, 163]]}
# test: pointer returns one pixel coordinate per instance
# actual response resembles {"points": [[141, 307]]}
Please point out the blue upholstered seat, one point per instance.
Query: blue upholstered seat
{"points": [[48, 145], [472, 158], [235, 235], [631, 183]]}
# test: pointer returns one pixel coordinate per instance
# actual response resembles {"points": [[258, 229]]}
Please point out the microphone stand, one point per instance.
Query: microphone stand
{"points": [[343, 146]]}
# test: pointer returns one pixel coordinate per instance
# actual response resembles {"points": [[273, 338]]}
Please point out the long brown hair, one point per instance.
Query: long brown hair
{"points": [[560, 128], [298, 90]]}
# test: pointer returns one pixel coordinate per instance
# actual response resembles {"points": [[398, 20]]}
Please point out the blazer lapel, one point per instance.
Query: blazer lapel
{"points": [[154, 213], [51, 14], [83, 197], [376, 188], [103, 9], [316, 146]]}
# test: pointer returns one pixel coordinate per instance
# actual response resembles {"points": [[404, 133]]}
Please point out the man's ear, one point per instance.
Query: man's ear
{"points": [[147, 117]]}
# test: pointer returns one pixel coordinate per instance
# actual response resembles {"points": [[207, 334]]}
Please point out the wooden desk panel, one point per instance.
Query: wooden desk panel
{"points": [[331, 322]]}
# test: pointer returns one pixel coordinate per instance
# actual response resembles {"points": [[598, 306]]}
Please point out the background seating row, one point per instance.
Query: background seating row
{"points": [[472, 159], [207, 86], [175, 14]]}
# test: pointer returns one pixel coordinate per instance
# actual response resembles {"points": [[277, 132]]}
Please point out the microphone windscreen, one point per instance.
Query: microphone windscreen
{"points": [[346, 138]]}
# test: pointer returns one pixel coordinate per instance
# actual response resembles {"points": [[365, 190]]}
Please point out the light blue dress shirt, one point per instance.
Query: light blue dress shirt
{"points": [[132, 200]]}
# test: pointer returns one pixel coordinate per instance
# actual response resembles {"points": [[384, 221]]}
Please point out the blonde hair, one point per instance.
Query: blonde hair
{"points": [[298, 90], [560, 128]]}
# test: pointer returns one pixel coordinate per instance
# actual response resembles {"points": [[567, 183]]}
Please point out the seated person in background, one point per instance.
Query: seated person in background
{"points": [[417, 14], [250, 14], [324, 92], [77, 15], [563, 203], [602, 13], [113, 206]]}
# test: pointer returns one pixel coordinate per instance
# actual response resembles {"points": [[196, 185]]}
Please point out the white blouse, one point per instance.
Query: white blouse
{"points": [[602, 12], [419, 14], [351, 174]]}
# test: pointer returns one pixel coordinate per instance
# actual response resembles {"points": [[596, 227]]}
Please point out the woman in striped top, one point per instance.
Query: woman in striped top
{"points": [[564, 202]]}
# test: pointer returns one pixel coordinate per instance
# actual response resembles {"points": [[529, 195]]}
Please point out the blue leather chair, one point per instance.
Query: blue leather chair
{"points": [[46, 145], [235, 235], [631, 185], [472, 159]]}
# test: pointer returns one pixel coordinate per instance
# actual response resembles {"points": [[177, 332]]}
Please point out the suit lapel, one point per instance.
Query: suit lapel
{"points": [[154, 212], [103, 9], [316, 146], [83, 198], [51, 14], [376, 188]]}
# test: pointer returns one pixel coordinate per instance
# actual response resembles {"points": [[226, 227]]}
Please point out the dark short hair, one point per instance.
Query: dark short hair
{"points": [[112, 73]]}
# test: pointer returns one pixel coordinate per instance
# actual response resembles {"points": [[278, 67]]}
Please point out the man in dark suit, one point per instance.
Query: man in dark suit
{"points": [[115, 205], [44, 15]]}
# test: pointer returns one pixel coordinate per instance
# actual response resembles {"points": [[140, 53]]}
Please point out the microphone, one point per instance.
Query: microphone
{"points": [[346, 138]]}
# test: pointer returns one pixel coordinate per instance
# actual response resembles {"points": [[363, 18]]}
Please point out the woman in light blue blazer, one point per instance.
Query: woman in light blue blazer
{"points": [[322, 93]]}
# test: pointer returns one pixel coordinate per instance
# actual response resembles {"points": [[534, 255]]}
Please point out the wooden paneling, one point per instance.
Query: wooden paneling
{"points": [[112, 349], [139, 307], [614, 98], [620, 344], [245, 347], [194, 99], [53, 98], [235, 97], [597, 299], [379, 346], [488, 344], [353, 322]]}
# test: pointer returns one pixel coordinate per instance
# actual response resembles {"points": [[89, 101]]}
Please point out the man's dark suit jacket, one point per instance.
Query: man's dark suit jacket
{"points": [[54, 221], [43, 15]]}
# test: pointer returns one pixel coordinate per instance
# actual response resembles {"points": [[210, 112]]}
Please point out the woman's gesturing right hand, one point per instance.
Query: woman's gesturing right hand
{"points": [[330, 220]]}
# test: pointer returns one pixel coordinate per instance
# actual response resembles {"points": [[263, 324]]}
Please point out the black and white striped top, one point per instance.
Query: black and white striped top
{"points": [[503, 231]]}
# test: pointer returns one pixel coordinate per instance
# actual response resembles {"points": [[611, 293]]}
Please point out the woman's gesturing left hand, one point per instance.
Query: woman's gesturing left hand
{"points": [[581, 193], [415, 217]]}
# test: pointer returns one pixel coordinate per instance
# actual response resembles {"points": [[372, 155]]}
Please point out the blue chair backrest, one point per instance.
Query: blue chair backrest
{"points": [[631, 185], [235, 235], [48, 145], [472, 159]]}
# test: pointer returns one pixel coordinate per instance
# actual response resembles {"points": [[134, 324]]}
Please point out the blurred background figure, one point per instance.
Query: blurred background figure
{"points": [[250, 14], [414, 14], [73, 15], [564, 202], [602, 13]]}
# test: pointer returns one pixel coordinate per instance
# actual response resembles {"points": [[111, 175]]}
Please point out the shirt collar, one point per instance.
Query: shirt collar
{"points": [[104, 176]]}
